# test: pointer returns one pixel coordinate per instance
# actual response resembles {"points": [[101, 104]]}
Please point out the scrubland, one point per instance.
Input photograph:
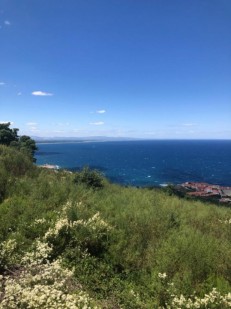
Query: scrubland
{"points": [[78, 241]]}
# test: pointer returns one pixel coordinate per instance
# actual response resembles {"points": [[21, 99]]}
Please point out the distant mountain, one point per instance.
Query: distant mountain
{"points": [[82, 139]]}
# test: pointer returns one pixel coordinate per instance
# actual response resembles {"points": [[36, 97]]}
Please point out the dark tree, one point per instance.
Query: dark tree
{"points": [[7, 135], [27, 145]]}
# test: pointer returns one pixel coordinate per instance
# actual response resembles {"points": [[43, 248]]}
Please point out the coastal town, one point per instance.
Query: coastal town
{"points": [[205, 190]]}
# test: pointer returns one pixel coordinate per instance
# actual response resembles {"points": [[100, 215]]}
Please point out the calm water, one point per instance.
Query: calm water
{"points": [[143, 163]]}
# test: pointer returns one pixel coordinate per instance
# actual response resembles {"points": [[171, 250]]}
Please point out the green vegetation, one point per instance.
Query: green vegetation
{"points": [[91, 178], [24, 143], [77, 241]]}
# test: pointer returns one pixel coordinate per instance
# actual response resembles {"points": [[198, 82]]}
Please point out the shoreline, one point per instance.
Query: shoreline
{"points": [[191, 186], [198, 190]]}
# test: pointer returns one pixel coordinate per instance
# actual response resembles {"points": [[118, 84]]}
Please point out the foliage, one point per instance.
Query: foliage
{"points": [[12, 166], [175, 190], [91, 178], [27, 146], [9, 137], [64, 244]]}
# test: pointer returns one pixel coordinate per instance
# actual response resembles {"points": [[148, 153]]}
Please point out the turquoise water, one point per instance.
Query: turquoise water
{"points": [[145, 163]]}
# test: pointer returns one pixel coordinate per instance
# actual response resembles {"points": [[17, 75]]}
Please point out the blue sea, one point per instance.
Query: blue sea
{"points": [[145, 163]]}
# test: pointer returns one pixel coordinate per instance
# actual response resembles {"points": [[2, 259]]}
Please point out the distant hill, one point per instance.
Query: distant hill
{"points": [[82, 139]]}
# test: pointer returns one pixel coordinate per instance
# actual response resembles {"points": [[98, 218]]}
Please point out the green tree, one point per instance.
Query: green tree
{"points": [[28, 146], [9, 137]]}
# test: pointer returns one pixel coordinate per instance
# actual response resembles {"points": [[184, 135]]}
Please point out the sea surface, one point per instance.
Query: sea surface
{"points": [[145, 163]]}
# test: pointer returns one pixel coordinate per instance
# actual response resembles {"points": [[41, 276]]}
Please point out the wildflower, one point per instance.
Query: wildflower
{"points": [[162, 275]]}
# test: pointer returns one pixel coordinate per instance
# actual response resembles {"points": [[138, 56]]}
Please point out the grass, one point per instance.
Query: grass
{"points": [[127, 247]]}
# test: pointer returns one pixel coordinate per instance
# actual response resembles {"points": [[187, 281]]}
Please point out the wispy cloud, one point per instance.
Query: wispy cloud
{"points": [[189, 124], [62, 124], [101, 111], [34, 129], [2, 83], [31, 124], [7, 23], [19, 93], [42, 93], [97, 123], [58, 131]]}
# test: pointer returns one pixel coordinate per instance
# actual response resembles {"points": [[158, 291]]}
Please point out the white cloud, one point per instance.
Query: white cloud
{"points": [[102, 111], [7, 23], [97, 123], [19, 93], [42, 93], [4, 122], [2, 83]]}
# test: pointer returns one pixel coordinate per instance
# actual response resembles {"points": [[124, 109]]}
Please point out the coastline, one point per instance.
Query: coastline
{"points": [[197, 190]]}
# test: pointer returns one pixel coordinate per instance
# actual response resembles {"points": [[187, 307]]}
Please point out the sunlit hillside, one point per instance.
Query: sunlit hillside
{"points": [[73, 240]]}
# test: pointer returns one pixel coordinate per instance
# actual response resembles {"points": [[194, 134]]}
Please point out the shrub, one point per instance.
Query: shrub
{"points": [[90, 178]]}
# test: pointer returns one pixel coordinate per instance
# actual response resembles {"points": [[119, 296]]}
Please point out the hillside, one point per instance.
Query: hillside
{"points": [[73, 240]]}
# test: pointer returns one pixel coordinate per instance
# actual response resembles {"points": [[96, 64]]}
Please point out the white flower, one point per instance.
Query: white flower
{"points": [[162, 275]]}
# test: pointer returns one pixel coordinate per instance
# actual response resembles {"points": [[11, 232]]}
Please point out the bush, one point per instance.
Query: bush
{"points": [[90, 178]]}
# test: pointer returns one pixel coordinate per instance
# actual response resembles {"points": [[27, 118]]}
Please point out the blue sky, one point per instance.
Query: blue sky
{"points": [[134, 68]]}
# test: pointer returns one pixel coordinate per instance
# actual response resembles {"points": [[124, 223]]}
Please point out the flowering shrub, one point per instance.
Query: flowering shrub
{"points": [[7, 256], [42, 284], [214, 299], [39, 255], [94, 223], [89, 235], [227, 221]]}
